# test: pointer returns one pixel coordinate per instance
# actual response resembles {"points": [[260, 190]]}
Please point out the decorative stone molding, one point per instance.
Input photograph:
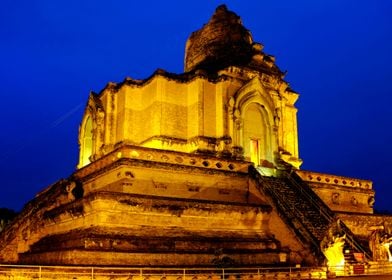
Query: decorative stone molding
{"points": [[371, 201], [168, 157], [335, 198], [354, 201], [315, 177]]}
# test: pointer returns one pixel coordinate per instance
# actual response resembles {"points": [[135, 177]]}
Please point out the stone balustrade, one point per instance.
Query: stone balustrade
{"points": [[315, 177], [165, 157]]}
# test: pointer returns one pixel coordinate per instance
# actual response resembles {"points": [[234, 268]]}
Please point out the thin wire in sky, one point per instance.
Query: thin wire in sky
{"points": [[27, 142]]}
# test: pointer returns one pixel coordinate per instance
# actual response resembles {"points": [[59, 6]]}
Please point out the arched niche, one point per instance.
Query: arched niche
{"points": [[86, 142], [257, 136], [253, 114]]}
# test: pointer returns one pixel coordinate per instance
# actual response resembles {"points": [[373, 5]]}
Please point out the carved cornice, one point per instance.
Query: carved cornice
{"points": [[151, 203], [185, 78], [149, 158]]}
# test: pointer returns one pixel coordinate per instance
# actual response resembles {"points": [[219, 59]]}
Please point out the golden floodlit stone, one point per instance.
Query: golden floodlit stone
{"points": [[198, 169]]}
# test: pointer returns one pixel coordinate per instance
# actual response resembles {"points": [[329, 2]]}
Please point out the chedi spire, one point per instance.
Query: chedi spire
{"points": [[222, 42]]}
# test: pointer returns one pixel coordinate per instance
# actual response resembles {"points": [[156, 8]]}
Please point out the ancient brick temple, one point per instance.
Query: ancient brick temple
{"points": [[198, 169]]}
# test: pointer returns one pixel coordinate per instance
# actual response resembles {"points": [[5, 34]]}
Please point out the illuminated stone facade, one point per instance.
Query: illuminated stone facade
{"points": [[194, 169], [242, 110]]}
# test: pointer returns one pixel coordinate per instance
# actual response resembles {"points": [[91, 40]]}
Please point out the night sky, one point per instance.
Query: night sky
{"points": [[338, 54]]}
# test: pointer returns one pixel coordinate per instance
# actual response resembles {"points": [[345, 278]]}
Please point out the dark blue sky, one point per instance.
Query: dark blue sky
{"points": [[52, 53]]}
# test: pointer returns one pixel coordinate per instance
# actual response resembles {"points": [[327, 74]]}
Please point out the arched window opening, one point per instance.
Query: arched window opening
{"points": [[87, 142]]}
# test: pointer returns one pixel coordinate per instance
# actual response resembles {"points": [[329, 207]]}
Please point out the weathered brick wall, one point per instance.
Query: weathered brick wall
{"points": [[362, 224]]}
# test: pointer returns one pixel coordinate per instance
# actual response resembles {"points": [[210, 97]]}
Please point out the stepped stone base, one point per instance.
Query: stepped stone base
{"points": [[84, 257], [109, 228], [161, 247], [155, 239], [154, 246]]}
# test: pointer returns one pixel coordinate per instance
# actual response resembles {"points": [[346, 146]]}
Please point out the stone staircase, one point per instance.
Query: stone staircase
{"points": [[307, 215]]}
